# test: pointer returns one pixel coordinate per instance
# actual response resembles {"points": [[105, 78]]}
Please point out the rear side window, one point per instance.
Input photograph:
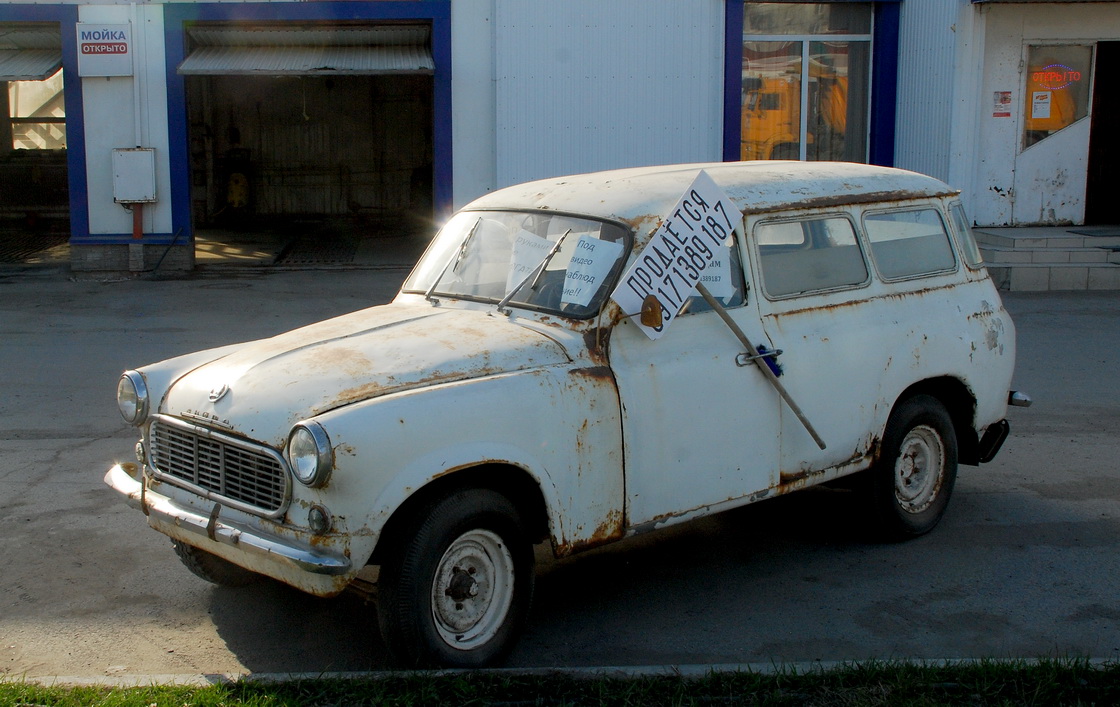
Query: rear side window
{"points": [[970, 251], [909, 243], [809, 255]]}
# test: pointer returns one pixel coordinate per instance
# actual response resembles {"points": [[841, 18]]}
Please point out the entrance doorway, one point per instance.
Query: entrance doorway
{"points": [[1101, 206], [34, 196], [310, 144]]}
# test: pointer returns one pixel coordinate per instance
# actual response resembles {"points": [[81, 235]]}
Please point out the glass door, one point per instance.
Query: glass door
{"points": [[805, 81]]}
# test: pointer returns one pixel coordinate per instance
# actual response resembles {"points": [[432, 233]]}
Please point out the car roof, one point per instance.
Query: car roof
{"points": [[645, 194]]}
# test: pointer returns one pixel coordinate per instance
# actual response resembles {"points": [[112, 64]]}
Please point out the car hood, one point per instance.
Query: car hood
{"points": [[261, 389]]}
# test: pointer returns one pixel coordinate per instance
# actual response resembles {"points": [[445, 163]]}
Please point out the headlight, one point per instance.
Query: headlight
{"points": [[132, 398], [310, 454]]}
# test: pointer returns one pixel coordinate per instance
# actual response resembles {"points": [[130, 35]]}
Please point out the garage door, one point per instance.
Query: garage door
{"points": [[309, 51]]}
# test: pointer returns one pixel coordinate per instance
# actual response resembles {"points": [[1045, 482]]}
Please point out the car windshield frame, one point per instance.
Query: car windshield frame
{"points": [[491, 255]]}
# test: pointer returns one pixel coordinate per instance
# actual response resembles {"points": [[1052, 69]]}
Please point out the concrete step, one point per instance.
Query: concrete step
{"points": [[1042, 277], [1045, 237], [1004, 255], [1041, 258]]}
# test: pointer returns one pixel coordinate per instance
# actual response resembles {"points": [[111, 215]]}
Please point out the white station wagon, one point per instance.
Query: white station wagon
{"points": [[577, 360]]}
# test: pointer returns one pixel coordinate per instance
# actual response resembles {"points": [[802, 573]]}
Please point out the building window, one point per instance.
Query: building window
{"points": [[805, 81], [1057, 89], [36, 114]]}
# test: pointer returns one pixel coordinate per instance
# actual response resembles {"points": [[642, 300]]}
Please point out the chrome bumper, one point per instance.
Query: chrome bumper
{"points": [[159, 508]]}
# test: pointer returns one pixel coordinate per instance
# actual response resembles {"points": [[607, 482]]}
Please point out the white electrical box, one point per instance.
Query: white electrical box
{"points": [[134, 175]]}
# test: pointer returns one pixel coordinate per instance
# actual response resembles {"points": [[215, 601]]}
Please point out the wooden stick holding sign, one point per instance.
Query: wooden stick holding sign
{"points": [[718, 307]]}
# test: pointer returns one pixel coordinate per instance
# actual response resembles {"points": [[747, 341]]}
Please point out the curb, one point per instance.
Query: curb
{"points": [[691, 671]]}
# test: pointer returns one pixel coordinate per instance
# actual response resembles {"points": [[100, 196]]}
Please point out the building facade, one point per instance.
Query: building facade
{"points": [[1013, 103], [146, 124]]}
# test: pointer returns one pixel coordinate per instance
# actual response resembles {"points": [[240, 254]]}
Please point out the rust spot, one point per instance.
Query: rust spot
{"points": [[595, 373], [846, 199], [327, 541], [860, 302], [611, 529], [372, 390]]}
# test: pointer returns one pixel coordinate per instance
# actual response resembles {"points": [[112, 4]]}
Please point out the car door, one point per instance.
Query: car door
{"points": [[816, 306], [700, 431]]}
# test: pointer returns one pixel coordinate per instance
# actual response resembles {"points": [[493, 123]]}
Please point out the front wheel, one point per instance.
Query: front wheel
{"points": [[455, 589], [912, 480]]}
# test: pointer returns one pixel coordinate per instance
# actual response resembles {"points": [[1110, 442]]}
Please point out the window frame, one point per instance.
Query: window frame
{"points": [[886, 31], [938, 209], [965, 238], [756, 250]]}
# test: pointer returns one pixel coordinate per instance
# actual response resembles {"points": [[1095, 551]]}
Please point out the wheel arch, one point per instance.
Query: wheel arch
{"points": [[960, 403], [510, 480]]}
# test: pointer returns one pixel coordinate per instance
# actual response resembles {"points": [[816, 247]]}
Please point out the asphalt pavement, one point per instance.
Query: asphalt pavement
{"points": [[1023, 564]]}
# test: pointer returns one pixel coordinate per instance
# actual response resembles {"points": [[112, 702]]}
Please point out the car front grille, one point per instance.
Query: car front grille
{"points": [[248, 476]]}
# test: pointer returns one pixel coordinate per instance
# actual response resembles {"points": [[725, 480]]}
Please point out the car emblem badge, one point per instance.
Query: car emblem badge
{"points": [[218, 393]]}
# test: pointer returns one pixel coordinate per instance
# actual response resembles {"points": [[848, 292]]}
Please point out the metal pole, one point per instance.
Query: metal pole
{"points": [[715, 304]]}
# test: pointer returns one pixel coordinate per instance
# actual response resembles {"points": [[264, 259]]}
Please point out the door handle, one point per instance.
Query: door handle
{"points": [[746, 359]]}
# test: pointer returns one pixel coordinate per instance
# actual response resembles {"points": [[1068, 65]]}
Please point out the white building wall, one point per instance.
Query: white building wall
{"points": [[1046, 183], [119, 112], [585, 85], [927, 41], [473, 96]]}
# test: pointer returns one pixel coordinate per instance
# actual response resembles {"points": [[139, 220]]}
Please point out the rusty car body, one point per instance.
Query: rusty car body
{"points": [[504, 398]]}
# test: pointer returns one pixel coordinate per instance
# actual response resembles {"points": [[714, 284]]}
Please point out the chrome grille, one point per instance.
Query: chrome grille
{"points": [[245, 475]]}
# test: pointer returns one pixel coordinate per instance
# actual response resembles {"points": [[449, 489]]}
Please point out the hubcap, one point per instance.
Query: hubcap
{"points": [[473, 589], [919, 469]]}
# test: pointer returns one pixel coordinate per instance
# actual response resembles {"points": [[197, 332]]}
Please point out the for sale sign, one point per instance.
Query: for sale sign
{"points": [[691, 245], [104, 50]]}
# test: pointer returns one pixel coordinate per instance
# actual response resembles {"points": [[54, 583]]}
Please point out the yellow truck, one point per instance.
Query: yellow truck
{"points": [[771, 112]]}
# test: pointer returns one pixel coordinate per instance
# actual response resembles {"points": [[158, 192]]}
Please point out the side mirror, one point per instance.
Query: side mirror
{"points": [[652, 315]]}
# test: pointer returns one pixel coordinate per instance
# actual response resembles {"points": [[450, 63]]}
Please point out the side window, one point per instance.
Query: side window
{"points": [[723, 277], [809, 255], [908, 243], [970, 251]]}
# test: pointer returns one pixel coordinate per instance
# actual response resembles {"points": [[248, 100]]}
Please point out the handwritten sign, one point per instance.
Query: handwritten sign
{"points": [[591, 261], [529, 250], [690, 243]]}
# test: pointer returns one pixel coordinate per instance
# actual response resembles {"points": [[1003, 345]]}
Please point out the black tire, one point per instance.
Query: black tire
{"points": [[455, 586], [911, 482], [213, 568]]}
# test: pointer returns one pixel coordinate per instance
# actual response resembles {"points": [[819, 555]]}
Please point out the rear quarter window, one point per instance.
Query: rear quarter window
{"points": [[970, 251], [909, 243]]}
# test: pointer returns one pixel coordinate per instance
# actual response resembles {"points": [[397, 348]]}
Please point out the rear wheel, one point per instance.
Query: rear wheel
{"points": [[910, 484], [455, 588], [212, 568]]}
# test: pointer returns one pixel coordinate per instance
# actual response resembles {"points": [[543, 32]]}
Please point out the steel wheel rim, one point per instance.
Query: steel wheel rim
{"points": [[472, 590], [919, 469]]}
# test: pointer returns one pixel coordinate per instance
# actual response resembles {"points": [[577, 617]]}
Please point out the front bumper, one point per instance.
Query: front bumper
{"points": [[127, 480]]}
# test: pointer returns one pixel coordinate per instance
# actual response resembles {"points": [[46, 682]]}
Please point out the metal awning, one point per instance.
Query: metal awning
{"points": [[224, 51], [29, 52]]}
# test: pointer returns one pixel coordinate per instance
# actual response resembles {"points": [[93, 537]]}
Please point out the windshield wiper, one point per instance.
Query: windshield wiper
{"points": [[534, 274], [453, 263]]}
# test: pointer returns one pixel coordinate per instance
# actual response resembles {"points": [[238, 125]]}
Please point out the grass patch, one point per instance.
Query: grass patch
{"points": [[1057, 682]]}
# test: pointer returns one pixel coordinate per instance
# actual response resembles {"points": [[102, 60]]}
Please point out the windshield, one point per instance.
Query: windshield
{"points": [[486, 255]]}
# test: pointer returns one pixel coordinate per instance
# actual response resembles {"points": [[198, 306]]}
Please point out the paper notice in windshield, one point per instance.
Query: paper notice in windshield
{"points": [[689, 245], [591, 262], [529, 250]]}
